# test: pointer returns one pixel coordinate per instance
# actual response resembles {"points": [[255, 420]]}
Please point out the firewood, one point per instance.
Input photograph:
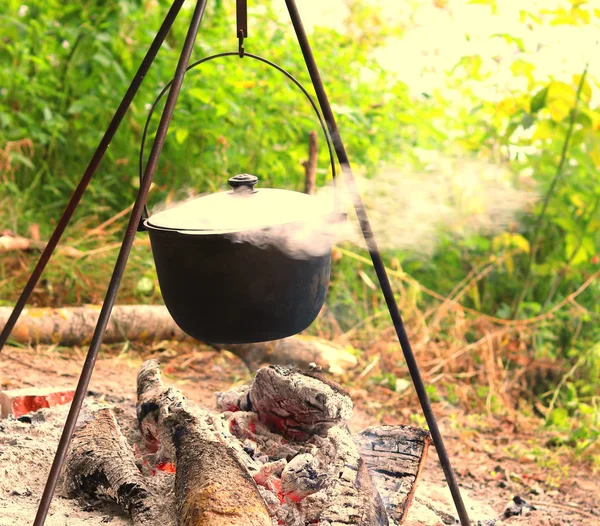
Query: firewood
{"points": [[327, 478], [298, 404], [75, 325], [395, 457], [212, 487], [144, 323], [102, 465], [279, 452], [10, 242], [300, 351]]}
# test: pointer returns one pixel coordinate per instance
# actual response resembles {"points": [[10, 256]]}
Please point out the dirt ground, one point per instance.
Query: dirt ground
{"points": [[489, 478]]}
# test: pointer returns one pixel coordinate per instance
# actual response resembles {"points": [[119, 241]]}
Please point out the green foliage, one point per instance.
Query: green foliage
{"points": [[67, 65]]}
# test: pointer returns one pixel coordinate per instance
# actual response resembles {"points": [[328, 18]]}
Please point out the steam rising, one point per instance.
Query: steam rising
{"points": [[411, 210], [408, 210]]}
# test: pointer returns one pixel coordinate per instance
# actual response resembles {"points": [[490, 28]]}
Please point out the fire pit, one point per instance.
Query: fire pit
{"points": [[279, 451]]}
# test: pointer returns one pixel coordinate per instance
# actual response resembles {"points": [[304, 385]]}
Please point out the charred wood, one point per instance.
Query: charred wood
{"points": [[395, 457], [101, 465], [212, 487]]}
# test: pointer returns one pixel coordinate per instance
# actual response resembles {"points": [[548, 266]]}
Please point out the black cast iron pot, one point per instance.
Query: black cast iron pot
{"points": [[243, 266]]}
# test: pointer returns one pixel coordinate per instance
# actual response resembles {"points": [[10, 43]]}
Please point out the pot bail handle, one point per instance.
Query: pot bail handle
{"points": [[258, 58]]}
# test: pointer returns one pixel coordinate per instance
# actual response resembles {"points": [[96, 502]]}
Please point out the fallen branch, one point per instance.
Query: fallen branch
{"points": [[301, 351], [10, 242]]}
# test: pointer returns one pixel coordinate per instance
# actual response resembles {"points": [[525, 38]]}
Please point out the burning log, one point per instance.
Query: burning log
{"points": [[101, 464], [212, 487], [279, 452]]}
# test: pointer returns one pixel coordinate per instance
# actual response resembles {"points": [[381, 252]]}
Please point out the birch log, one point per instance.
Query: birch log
{"points": [[146, 323]]}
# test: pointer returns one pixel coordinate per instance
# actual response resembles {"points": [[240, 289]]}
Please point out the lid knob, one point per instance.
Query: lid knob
{"points": [[245, 181]]}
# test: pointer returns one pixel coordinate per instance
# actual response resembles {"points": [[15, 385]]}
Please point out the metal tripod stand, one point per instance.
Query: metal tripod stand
{"points": [[136, 215]]}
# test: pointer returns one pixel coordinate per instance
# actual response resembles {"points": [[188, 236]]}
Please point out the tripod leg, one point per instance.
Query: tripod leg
{"points": [[120, 265], [384, 282], [90, 170]]}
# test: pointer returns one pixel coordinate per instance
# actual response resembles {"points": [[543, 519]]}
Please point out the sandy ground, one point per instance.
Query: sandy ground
{"points": [[26, 450]]}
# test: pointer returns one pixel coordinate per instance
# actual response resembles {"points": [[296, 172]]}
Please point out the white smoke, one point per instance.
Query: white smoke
{"points": [[411, 210], [408, 210]]}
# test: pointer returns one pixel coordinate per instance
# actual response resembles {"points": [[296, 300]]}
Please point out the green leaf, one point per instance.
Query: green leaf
{"points": [[522, 68], [200, 94], [584, 160], [586, 89], [559, 417], [145, 286], [528, 120], [181, 135], [491, 3], [77, 107], [511, 40], [538, 101], [47, 114]]}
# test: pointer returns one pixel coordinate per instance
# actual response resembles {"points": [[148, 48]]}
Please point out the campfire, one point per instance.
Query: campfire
{"points": [[277, 451]]}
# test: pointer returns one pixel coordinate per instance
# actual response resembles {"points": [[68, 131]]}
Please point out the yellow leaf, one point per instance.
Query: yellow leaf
{"points": [[508, 262], [576, 200], [507, 107], [595, 118], [498, 242], [582, 15], [543, 130], [560, 100], [559, 109], [523, 68], [519, 242], [595, 156], [474, 295]]}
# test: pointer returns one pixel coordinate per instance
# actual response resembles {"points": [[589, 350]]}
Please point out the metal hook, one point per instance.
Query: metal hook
{"points": [[241, 49], [241, 8]]}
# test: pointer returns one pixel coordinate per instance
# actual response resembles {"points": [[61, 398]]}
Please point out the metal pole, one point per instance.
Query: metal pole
{"points": [[120, 264], [384, 281], [90, 170]]}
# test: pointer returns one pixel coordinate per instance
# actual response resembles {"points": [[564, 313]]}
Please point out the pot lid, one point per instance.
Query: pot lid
{"points": [[242, 208]]}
